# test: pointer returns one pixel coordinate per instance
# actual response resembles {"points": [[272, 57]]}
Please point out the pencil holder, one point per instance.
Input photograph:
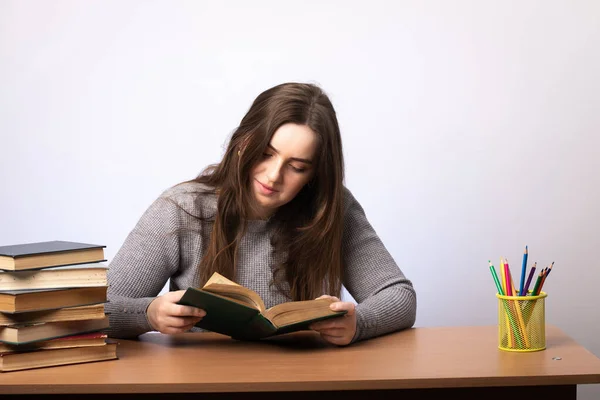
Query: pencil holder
{"points": [[522, 322]]}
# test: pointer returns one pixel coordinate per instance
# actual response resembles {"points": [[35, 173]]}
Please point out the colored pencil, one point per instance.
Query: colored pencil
{"points": [[508, 289], [510, 333], [513, 308], [495, 276], [517, 307], [534, 292], [537, 290], [526, 287], [548, 269], [503, 275], [511, 292], [523, 268], [509, 319]]}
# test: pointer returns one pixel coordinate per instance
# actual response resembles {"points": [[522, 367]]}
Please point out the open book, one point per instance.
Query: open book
{"points": [[239, 312]]}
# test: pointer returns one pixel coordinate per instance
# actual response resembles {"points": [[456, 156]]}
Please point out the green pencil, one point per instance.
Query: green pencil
{"points": [[538, 281], [496, 280], [512, 322]]}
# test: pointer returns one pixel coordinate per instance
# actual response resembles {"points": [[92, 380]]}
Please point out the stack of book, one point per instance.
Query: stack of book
{"points": [[52, 297]]}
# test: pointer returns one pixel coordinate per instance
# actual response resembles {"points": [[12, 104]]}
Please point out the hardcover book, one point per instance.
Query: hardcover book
{"points": [[80, 340], [239, 312], [48, 254], [93, 311], [13, 301], [27, 333], [80, 275], [54, 357]]}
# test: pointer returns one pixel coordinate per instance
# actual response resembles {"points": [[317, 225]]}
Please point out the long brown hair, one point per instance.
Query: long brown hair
{"points": [[308, 229]]}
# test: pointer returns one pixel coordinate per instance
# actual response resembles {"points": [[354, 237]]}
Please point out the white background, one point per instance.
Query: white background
{"points": [[470, 128]]}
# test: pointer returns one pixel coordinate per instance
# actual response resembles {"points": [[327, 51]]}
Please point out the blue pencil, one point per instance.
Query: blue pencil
{"points": [[523, 268]]}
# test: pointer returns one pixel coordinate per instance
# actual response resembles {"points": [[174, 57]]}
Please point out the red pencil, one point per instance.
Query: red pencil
{"points": [[509, 286], [546, 272]]}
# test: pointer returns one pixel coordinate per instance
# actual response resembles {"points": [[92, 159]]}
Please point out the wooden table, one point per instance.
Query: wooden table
{"points": [[418, 362]]}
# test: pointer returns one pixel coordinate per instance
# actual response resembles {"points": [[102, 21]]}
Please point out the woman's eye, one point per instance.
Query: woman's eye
{"points": [[298, 169], [266, 155]]}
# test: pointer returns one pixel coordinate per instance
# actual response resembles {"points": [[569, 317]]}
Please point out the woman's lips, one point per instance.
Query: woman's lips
{"points": [[265, 189]]}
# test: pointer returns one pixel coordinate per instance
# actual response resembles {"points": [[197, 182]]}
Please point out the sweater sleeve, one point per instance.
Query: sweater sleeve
{"points": [[386, 299], [140, 269]]}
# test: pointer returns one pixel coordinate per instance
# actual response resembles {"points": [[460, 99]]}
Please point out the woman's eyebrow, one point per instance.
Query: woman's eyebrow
{"points": [[304, 160]]}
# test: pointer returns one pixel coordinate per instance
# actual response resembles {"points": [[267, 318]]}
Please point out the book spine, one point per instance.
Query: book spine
{"points": [[257, 328]]}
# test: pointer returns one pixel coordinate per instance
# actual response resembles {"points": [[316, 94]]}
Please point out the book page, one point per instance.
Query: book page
{"points": [[218, 278], [220, 285], [298, 311]]}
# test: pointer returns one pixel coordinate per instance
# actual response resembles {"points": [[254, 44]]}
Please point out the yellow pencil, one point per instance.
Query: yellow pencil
{"points": [[503, 276], [518, 309], [509, 332]]}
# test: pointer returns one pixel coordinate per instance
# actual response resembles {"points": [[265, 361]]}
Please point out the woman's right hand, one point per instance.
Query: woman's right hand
{"points": [[166, 316]]}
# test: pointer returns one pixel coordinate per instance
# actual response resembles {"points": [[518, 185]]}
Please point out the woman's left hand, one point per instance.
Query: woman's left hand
{"points": [[339, 331]]}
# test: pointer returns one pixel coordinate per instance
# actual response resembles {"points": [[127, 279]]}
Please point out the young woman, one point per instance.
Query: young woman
{"points": [[273, 216]]}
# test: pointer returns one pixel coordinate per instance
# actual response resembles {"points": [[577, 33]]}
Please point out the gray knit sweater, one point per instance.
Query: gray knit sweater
{"points": [[166, 243]]}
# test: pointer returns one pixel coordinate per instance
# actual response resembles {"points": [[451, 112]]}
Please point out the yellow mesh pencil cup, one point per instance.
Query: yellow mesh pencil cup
{"points": [[522, 322]]}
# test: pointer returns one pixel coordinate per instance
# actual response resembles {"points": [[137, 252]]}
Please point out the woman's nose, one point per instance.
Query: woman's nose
{"points": [[274, 171]]}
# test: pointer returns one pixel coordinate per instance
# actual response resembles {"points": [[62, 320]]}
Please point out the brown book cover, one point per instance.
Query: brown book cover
{"points": [[28, 333], [79, 275], [37, 255], [55, 357], [93, 311], [14, 301], [80, 340]]}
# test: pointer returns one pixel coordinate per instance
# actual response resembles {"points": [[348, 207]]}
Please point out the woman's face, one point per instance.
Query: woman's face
{"points": [[286, 166]]}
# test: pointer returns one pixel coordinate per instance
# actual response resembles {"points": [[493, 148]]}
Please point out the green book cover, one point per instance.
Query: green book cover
{"points": [[239, 321]]}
